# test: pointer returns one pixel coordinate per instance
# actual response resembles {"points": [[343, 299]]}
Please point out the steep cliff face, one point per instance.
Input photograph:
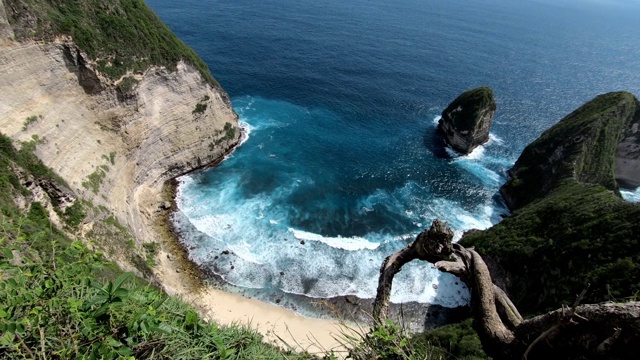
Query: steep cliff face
{"points": [[582, 146], [465, 123], [570, 227], [114, 141]]}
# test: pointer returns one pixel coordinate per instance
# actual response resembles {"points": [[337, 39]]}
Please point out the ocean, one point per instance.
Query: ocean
{"points": [[340, 100]]}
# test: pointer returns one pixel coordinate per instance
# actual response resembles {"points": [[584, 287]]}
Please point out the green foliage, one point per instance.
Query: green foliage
{"points": [[74, 214], [581, 146], [229, 134], [127, 84], [112, 158], [58, 308], [122, 35], [575, 235], [456, 341], [28, 121], [390, 341], [200, 108], [571, 227], [151, 249], [94, 180]]}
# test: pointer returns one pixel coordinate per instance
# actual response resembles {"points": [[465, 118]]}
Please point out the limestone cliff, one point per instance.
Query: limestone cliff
{"points": [[114, 140], [465, 123]]}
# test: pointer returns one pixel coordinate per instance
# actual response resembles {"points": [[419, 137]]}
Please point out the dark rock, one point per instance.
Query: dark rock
{"points": [[301, 242], [466, 121], [226, 252], [281, 273]]}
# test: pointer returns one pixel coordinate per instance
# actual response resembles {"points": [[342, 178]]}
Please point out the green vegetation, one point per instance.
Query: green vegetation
{"points": [[580, 146], [458, 341], [229, 134], [151, 249], [94, 180], [121, 35], [28, 121], [570, 228], [468, 104], [200, 108], [59, 299], [127, 84]]}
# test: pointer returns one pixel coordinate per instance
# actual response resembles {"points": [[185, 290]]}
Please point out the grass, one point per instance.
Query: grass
{"points": [[59, 299]]}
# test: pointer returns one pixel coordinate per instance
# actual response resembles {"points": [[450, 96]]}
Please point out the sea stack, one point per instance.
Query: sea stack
{"points": [[466, 121]]}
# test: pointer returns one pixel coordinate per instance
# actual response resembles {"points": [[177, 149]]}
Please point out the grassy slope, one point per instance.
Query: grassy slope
{"points": [[122, 35], [63, 300], [570, 227]]}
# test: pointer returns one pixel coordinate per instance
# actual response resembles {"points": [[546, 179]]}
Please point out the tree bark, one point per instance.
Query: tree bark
{"points": [[595, 331]]}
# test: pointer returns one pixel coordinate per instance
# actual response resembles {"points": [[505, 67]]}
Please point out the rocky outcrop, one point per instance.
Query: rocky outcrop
{"points": [[466, 121], [581, 147]]}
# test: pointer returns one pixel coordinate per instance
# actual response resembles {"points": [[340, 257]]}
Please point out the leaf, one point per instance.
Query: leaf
{"points": [[7, 253], [121, 279], [113, 342]]}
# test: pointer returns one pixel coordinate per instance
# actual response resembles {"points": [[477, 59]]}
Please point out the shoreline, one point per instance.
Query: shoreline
{"points": [[278, 322], [179, 276]]}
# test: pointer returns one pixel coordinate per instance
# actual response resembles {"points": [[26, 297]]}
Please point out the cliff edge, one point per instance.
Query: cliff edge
{"points": [[465, 123], [114, 103]]}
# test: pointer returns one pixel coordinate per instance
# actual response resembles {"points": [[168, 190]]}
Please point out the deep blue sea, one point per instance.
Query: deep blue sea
{"points": [[340, 100]]}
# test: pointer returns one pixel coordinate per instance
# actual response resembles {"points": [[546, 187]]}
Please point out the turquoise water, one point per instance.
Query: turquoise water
{"points": [[340, 102]]}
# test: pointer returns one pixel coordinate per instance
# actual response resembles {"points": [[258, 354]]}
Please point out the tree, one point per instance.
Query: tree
{"points": [[606, 330]]}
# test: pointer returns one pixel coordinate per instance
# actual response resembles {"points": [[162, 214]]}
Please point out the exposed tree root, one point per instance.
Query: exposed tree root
{"points": [[598, 331]]}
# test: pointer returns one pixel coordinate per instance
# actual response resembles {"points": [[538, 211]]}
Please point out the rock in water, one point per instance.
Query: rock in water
{"points": [[466, 121]]}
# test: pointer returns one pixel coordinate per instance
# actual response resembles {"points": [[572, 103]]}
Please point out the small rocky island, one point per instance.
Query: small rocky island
{"points": [[466, 121]]}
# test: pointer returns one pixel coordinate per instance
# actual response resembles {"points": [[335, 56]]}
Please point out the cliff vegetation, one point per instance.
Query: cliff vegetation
{"points": [[60, 299], [121, 35], [570, 227]]}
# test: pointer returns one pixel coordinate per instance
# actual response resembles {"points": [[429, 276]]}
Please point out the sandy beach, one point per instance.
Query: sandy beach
{"points": [[278, 325]]}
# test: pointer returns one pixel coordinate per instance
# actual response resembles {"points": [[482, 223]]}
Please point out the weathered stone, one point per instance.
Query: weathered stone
{"points": [[466, 121]]}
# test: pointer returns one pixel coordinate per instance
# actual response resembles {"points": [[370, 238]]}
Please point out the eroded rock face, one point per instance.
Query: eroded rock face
{"points": [[135, 144], [466, 121], [627, 166]]}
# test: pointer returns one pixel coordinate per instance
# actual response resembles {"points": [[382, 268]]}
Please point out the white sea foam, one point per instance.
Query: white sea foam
{"points": [[493, 138], [345, 243], [631, 195], [245, 234]]}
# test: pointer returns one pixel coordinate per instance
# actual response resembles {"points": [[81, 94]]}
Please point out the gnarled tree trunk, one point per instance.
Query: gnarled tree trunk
{"points": [[598, 331]]}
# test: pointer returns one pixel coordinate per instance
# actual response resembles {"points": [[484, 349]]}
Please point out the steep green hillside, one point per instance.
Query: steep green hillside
{"points": [[570, 226], [121, 35], [59, 299]]}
